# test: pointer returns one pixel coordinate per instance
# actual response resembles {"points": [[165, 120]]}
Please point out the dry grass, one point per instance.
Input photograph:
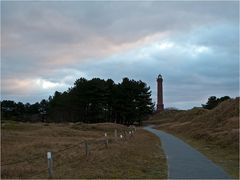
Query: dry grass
{"points": [[214, 132], [136, 157], [227, 158]]}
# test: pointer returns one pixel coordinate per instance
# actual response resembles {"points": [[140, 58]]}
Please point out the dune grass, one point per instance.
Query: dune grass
{"points": [[139, 156], [227, 158], [214, 132]]}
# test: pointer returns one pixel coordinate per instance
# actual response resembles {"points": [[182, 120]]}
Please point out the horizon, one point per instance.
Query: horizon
{"points": [[155, 106], [46, 46]]}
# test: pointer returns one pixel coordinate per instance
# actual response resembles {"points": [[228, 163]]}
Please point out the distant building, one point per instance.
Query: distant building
{"points": [[160, 106]]}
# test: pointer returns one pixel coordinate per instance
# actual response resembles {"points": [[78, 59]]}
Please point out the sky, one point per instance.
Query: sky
{"points": [[194, 45]]}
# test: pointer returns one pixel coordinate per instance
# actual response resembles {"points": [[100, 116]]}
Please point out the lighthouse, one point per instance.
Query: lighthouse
{"points": [[160, 106]]}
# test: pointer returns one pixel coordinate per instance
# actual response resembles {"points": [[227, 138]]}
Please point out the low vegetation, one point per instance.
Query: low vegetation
{"points": [[214, 132], [139, 156], [213, 101]]}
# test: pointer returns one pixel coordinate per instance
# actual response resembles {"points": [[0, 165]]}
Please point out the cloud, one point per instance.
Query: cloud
{"points": [[192, 71], [44, 84], [46, 46]]}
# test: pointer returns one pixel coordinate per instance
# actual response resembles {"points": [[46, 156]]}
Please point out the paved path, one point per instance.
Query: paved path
{"points": [[185, 162]]}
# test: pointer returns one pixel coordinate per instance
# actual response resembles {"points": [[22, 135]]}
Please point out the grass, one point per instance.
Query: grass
{"points": [[138, 157], [214, 132], [227, 158]]}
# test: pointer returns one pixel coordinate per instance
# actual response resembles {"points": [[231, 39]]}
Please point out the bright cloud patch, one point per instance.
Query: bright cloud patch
{"points": [[47, 84], [197, 50], [163, 49], [165, 45]]}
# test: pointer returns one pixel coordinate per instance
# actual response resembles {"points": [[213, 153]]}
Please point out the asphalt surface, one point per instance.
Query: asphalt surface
{"points": [[185, 162]]}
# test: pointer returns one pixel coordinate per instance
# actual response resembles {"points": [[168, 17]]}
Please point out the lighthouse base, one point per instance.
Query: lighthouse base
{"points": [[160, 107]]}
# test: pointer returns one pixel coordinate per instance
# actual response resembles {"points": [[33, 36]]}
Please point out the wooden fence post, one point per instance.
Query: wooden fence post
{"points": [[106, 140], [86, 148], [125, 135], [106, 143], [50, 163], [115, 133], [130, 133]]}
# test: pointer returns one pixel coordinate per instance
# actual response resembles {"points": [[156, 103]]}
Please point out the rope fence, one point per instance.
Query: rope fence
{"points": [[85, 145]]}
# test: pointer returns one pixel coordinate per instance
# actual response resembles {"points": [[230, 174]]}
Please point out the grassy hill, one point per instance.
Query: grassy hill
{"points": [[214, 132], [24, 148]]}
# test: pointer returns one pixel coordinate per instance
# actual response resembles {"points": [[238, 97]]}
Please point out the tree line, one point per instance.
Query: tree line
{"points": [[10, 110], [213, 101], [89, 101]]}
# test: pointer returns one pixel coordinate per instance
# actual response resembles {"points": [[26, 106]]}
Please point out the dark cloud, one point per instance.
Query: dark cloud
{"points": [[47, 45]]}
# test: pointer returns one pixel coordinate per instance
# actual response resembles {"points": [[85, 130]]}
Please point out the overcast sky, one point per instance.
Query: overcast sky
{"points": [[47, 45]]}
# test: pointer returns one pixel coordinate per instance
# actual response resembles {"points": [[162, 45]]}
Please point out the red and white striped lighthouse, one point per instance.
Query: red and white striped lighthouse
{"points": [[160, 106]]}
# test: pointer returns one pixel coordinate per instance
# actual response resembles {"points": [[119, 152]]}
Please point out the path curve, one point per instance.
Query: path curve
{"points": [[185, 162]]}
